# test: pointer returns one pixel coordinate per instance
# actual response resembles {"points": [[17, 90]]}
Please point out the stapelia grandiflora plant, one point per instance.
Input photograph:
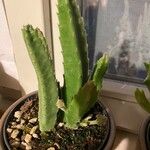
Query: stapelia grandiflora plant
{"points": [[140, 95], [80, 90]]}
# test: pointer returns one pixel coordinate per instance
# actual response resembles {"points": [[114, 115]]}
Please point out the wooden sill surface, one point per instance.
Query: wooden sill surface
{"points": [[126, 141]]}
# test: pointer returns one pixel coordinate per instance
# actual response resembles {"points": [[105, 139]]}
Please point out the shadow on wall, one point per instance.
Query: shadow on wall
{"points": [[8, 94]]}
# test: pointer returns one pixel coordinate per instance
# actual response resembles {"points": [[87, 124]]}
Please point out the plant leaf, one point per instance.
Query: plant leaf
{"points": [[99, 71], [147, 79], [81, 36], [74, 46], [142, 100], [81, 104], [48, 92]]}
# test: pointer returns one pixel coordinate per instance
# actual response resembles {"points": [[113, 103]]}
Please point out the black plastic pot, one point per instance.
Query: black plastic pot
{"points": [[144, 135], [4, 145]]}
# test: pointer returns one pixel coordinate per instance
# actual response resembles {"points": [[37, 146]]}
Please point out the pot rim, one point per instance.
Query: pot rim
{"points": [[107, 143], [4, 116], [143, 133]]}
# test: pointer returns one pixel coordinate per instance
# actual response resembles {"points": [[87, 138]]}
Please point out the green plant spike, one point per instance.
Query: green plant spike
{"points": [[74, 46], [100, 70], [142, 100], [48, 92], [81, 104], [81, 38], [147, 79]]}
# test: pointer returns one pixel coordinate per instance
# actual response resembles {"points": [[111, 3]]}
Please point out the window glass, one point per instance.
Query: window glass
{"points": [[121, 28]]}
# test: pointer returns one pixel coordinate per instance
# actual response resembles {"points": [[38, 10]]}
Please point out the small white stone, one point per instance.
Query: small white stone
{"points": [[18, 114], [33, 129], [13, 123], [33, 120], [61, 124], [51, 148], [9, 130], [15, 144], [56, 144], [23, 143], [83, 124], [35, 136], [22, 121], [28, 138], [28, 147], [14, 134], [18, 120], [17, 139], [59, 135], [19, 126]]}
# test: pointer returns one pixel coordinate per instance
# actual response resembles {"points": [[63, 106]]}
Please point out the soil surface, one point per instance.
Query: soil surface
{"points": [[24, 134]]}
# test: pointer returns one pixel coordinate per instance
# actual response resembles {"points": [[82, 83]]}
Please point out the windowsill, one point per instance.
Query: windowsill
{"points": [[126, 141], [125, 114]]}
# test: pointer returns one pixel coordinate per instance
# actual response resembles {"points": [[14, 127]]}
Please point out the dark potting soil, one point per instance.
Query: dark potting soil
{"points": [[23, 131]]}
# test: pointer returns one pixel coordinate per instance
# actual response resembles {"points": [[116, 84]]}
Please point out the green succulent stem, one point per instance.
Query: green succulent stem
{"points": [[142, 100], [140, 95], [100, 69], [81, 104], [147, 79], [74, 48], [47, 85], [87, 96]]}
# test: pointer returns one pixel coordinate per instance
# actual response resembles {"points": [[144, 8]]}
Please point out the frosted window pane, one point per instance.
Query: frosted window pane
{"points": [[122, 28]]}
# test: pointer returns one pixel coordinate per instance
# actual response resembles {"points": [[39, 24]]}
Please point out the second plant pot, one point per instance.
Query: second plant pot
{"points": [[144, 134]]}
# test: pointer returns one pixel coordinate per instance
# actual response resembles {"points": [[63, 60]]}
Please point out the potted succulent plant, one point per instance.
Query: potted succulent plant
{"points": [[68, 117], [141, 98]]}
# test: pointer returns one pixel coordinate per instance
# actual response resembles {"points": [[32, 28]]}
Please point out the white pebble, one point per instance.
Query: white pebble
{"points": [[22, 121], [35, 136], [18, 114], [33, 120], [28, 147], [56, 144], [15, 144], [9, 130], [19, 126], [23, 143], [33, 129], [17, 139], [14, 134], [13, 123], [61, 124], [28, 138], [51, 148]]}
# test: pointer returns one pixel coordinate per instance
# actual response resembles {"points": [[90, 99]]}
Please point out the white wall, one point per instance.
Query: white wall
{"points": [[56, 44], [20, 13], [8, 71]]}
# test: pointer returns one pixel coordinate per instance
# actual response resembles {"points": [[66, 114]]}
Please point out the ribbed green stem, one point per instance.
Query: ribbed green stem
{"points": [[100, 70], [48, 93], [73, 42], [81, 104], [142, 100]]}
